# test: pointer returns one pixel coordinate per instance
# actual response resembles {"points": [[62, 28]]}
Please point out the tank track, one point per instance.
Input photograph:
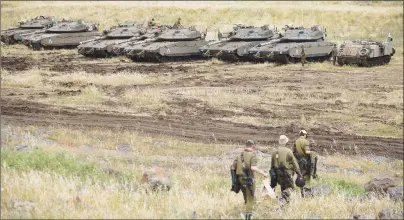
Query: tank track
{"points": [[368, 62]]}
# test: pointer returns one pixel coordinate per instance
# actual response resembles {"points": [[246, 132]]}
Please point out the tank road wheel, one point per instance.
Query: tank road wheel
{"points": [[340, 62], [387, 59], [37, 47]]}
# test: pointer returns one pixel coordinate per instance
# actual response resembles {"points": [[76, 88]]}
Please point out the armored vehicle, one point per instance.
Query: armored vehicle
{"points": [[365, 53], [171, 43], [289, 47], [123, 47], [67, 34], [236, 44], [13, 35], [102, 46]]}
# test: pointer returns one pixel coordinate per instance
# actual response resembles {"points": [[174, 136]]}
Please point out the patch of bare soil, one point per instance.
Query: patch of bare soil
{"points": [[191, 127]]}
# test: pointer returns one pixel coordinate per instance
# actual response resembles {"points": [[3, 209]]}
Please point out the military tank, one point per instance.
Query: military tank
{"points": [[13, 35], [102, 46], [67, 34], [171, 43], [365, 53], [288, 48], [123, 47], [236, 44]]}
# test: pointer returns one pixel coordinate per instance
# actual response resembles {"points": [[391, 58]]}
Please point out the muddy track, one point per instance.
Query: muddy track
{"points": [[192, 128]]}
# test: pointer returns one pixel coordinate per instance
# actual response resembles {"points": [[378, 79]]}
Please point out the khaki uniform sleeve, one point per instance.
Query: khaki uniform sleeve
{"points": [[293, 161], [254, 161]]}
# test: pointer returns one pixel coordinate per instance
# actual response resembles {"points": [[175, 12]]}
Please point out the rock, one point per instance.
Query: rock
{"points": [[314, 216], [321, 190], [331, 168], [360, 216], [378, 159], [23, 148], [156, 177], [354, 171], [111, 171], [125, 148], [24, 205], [379, 185], [390, 214], [396, 193]]}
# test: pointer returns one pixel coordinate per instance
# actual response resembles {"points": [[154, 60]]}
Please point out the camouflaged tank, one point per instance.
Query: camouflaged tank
{"points": [[66, 34], [288, 48], [238, 42], [122, 48], [102, 46], [13, 35], [365, 53], [171, 43]]}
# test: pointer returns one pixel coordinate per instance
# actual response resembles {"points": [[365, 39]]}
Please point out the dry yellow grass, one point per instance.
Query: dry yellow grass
{"points": [[199, 173]]}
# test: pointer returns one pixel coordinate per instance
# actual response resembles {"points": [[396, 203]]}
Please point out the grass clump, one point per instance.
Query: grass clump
{"points": [[343, 186], [147, 98], [60, 163]]}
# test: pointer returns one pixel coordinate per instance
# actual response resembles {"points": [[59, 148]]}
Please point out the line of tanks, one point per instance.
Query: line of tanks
{"points": [[163, 42]]}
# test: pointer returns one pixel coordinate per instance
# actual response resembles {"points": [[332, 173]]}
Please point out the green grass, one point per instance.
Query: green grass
{"points": [[61, 163], [342, 186]]}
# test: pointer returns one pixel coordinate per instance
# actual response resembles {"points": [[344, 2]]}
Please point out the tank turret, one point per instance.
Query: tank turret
{"points": [[170, 43], [236, 44], [288, 48]]}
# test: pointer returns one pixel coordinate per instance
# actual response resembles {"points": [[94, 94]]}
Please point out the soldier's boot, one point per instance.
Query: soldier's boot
{"points": [[284, 199], [248, 215]]}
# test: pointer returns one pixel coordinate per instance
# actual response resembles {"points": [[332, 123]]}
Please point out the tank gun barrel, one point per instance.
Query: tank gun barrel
{"points": [[36, 32], [97, 38], [11, 28], [270, 42], [217, 42]]}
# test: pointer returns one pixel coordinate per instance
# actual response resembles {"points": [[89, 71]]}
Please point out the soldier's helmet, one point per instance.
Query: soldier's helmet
{"points": [[179, 19], [300, 181], [302, 132]]}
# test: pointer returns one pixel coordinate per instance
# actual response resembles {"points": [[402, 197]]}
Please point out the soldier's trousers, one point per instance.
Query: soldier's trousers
{"points": [[248, 196], [286, 183], [303, 60]]}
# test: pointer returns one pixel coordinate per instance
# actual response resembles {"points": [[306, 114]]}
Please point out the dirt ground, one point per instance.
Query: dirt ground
{"points": [[197, 120]]}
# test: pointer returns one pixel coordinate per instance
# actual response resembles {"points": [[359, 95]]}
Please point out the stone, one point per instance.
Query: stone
{"points": [[361, 216], [111, 171], [85, 147], [387, 213], [23, 148], [331, 168], [396, 193], [156, 177], [353, 171], [321, 190], [314, 216], [125, 148], [379, 185]]}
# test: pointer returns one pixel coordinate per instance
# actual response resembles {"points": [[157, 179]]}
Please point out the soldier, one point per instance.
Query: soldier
{"points": [[244, 166], [285, 165], [151, 23], [307, 160], [177, 24], [334, 54], [302, 56], [389, 38]]}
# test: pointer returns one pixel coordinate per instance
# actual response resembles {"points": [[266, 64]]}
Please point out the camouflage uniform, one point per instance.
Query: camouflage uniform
{"points": [[334, 55], [307, 162], [303, 56], [250, 160], [177, 24], [285, 164]]}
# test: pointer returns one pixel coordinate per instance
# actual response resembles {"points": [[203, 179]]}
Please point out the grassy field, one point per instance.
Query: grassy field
{"points": [[63, 176], [77, 171]]}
